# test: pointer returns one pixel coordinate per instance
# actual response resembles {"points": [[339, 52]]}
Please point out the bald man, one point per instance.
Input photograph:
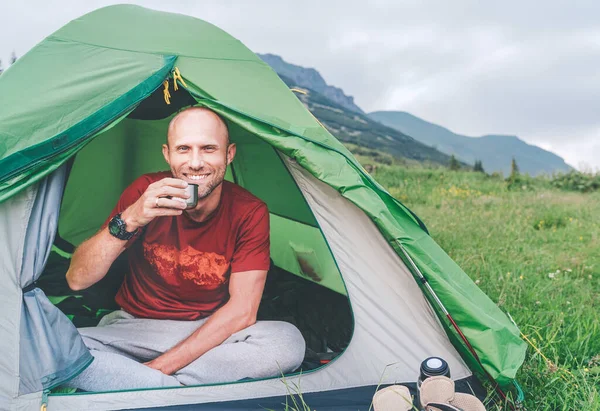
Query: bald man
{"points": [[190, 299]]}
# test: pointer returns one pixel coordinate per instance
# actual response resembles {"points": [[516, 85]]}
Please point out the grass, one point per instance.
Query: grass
{"points": [[534, 250]]}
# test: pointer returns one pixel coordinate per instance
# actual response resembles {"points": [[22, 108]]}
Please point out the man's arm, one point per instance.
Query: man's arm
{"points": [[245, 289], [93, 258]]}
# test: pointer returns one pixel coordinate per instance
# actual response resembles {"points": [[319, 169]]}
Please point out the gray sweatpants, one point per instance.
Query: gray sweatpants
{"points": [[121, 343]]}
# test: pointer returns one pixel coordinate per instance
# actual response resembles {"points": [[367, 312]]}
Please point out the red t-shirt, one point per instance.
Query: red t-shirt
{"points": [[179, 268]]}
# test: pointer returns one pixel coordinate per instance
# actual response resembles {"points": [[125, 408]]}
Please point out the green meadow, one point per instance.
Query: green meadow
{"points": [[534, 249]]}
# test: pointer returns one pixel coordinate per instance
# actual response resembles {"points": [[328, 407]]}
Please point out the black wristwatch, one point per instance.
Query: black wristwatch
{"points": [[117, 228]]}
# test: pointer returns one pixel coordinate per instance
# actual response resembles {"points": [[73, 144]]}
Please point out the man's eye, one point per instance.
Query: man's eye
{"points": [[182, 149]]}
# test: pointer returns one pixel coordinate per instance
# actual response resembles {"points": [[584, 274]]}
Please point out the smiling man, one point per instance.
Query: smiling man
{"points": [[196, 277]]}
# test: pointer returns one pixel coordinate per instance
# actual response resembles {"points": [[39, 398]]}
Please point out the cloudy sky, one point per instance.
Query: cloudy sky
{"points": [[513, 67]]}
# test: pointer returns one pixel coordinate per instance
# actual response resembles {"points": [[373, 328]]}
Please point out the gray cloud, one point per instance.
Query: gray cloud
{"points": [[524, 68]]}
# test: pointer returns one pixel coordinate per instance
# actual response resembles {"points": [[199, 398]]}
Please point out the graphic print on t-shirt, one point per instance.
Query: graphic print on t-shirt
{"points": [[205, 269]]}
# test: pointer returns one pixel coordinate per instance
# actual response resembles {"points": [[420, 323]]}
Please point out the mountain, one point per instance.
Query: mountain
{"points": [[310, 78], [495, 151], [408, 136], [355, 128]]}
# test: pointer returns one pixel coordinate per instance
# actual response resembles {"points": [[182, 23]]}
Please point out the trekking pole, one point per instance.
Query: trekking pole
{"points": [[424, 281]]}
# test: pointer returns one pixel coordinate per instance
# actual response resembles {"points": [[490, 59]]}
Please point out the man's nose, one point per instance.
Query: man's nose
{"points": [[196, 160]]}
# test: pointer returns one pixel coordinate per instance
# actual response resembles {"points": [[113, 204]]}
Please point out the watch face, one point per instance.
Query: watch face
{"points": [[114, 227]]}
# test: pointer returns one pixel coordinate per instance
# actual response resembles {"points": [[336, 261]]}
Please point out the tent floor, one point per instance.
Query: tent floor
{"points": [[358, 398]]}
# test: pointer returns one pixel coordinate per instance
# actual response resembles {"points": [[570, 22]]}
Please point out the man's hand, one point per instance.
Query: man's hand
{"points": [[93, 257], [157, 364], [154, 203]]}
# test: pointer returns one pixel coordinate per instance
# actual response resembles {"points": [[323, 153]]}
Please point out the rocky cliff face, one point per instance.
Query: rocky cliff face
{"points": [[310, 78]]}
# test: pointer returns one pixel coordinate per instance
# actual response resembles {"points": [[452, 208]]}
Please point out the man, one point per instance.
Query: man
{"points": [[196, 277]]}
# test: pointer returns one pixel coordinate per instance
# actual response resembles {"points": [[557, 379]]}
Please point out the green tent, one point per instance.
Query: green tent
{"points": [[85, 112]]}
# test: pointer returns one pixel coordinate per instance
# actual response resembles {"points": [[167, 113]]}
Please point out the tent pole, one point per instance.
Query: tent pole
{"points": [[425, 282]]}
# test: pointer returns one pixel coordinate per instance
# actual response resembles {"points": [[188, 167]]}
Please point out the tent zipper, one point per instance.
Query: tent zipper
{"points": [[88, 134], [44, 405], [46, 392]]}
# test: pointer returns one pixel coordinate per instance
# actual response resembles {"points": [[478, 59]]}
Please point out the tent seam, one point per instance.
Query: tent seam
{"points": [[63, 39]]}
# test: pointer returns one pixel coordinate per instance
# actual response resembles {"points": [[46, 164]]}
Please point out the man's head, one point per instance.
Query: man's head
{"points": [[198, 149]]}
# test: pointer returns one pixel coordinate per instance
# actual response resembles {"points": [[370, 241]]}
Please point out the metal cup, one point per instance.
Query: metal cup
{"points": [[192, 200]]}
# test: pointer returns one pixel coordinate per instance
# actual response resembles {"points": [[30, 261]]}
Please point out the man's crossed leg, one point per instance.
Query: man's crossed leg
{"points": [[121, 344]]}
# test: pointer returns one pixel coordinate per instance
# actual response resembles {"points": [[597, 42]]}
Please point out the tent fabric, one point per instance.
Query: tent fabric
{"points": [[89, 75], [44, 330], [41, 127], [45, 347], [14, 214], [390, 312]]}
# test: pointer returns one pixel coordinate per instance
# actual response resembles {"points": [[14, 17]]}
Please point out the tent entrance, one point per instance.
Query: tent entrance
{"points": [[304, 286]]}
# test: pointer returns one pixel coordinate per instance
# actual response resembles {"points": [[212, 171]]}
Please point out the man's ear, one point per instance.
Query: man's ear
{"points": [[165, 151], [231, 150]]}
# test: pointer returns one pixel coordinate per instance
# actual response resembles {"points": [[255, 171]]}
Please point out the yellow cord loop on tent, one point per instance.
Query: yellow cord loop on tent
{"points": [[297, 90], [177, 76], [166, 93]]}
